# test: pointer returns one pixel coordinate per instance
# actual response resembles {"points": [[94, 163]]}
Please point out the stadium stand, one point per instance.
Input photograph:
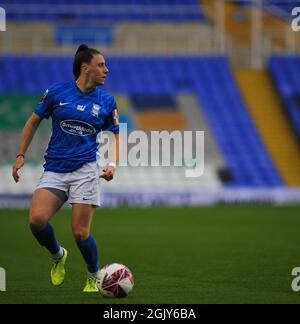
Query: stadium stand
{"points": [[116, 11], [285, 73], [232, 125], [279, 8], [264, 105], [210, 78], [178, 84]]}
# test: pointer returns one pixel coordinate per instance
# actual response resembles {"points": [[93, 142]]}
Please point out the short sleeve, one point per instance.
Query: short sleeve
{"points": [[112, 120], [45, 106]]}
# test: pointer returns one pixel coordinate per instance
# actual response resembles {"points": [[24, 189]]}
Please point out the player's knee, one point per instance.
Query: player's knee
{"points": [[80, 234], [36, 224]]}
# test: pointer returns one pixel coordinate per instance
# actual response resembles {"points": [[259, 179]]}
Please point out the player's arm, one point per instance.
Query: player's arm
{"points": [[109, 170], [28, 132]]}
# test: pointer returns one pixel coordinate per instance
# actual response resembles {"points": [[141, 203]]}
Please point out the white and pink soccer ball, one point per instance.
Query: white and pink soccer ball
{"points": [[115, 280]]}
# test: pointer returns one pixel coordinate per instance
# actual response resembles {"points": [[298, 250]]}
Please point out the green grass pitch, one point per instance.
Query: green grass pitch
{"points": [[222, 254]]}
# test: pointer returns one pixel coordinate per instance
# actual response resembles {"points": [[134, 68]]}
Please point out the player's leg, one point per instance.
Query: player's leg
{"points": [[84, 195], [82, 215], [43, 206], [45, 203]]}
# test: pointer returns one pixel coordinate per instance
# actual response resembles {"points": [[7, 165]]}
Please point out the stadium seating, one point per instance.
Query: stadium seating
{"points": [[279, 8], [210, 78], [285, 72], [104, 2], [114, 11], [83, 34], [265, 107], [236, 134], [282, 9]]}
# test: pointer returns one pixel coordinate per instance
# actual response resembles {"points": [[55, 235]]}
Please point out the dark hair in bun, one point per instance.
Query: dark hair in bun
{"points": [[84, 54]]}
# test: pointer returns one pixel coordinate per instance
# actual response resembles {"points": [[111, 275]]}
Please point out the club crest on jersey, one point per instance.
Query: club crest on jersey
{"points": [[95, 110], [80, 107]]}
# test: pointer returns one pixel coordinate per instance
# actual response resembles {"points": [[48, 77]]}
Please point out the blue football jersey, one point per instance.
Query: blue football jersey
{"points": [[77, 119]]}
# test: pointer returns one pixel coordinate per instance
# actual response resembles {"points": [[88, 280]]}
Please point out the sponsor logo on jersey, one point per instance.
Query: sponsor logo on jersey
{"points": [[81, 107], [77, 128], [64, 103]]}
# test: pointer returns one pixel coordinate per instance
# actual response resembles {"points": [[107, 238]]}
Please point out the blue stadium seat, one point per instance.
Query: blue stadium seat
{"points": [[76, 34], [279, 8], [285, 71], [165, 11]]}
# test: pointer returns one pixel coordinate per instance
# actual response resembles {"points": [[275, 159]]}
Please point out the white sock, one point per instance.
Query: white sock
{"points": [[95, 274], [59, 254]]}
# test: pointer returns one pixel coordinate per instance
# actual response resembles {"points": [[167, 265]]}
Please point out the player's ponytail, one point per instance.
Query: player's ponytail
{"points": [[81, 48], [84, 54]]}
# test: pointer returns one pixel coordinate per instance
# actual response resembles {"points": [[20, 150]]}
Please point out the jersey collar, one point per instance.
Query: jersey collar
{"points": [[90, 92]]}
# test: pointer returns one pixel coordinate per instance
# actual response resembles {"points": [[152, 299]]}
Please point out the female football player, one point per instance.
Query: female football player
{"points": [[79, 111]]}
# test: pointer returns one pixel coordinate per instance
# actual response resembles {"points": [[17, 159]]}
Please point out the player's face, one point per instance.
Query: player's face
{"points": [[97, 70]]}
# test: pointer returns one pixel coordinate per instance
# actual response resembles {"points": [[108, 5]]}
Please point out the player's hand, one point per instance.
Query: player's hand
{"points": [[108, 173], [16, 167]]}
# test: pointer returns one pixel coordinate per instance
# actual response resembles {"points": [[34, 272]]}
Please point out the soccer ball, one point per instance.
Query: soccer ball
{"points": [[115, 280]]}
